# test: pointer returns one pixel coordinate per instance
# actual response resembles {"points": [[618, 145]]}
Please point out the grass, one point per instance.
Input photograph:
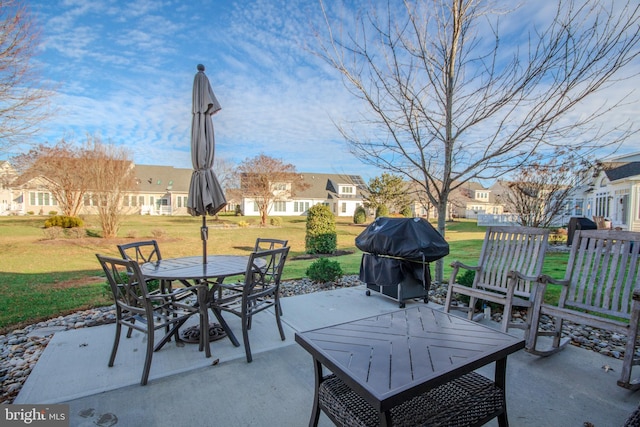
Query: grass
{"points": [[42, 278]]}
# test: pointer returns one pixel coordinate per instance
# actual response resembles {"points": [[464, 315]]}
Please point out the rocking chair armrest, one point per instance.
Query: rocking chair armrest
{"points": [[458, 264], [518, 275], [545, 279]]}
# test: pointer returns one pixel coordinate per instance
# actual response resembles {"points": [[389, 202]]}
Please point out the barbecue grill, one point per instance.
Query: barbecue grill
{"points": [[397, 253]]}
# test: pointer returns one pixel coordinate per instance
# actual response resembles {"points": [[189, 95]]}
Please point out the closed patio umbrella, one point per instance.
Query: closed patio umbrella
{"points": [[205, 193]]}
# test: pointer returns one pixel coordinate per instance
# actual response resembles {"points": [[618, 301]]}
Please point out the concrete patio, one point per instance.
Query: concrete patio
{"points": [[570, 388]]}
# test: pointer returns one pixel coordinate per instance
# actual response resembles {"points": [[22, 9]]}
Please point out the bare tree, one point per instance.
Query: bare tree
{"points": [[225, 172], [23, 96], [442, 106], [267, 180], [61, 169], [539, 193], [111, 177]]}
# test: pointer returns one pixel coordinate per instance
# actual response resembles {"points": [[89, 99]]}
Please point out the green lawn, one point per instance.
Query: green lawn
{"points": [[42, 278]]}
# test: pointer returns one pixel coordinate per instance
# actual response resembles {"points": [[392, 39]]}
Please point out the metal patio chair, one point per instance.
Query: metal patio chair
{"points": [[148, 312], [260, 291]]}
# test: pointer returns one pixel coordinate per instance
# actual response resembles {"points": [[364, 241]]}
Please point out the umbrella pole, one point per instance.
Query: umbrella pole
{"points": [[204, 233]]}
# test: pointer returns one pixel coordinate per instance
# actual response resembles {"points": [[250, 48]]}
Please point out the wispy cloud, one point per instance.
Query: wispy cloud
{"points": [[125, 71]]}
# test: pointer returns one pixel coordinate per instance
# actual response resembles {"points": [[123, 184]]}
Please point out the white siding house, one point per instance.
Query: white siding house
{"points": [[342, 193]]}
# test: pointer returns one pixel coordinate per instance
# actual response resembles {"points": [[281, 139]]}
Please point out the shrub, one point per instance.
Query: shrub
{"points": [[275, 221], [382, 210], [243, 224], [75, 233], [360, 215], [324, 270], [406, 212], [157, 233], [63, 221], [52, 213], [466, 279], [238, 210], [52, 233], [321, 237]]}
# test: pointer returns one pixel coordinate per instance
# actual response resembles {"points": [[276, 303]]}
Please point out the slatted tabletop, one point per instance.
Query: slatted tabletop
{"points": [[192, 268], [390, 358]]}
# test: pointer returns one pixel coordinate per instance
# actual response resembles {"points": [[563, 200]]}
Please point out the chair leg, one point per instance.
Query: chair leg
{"points": [[447, 302], [629, 352], [149, 356], [246, 320], [506, 315], [116, 341], [278, 311]]}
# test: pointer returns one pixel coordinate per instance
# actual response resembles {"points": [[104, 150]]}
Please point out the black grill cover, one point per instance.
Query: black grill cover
{"points": [[408, 238]]}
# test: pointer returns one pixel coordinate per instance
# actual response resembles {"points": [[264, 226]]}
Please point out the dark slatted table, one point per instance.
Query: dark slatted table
{"points": [[192, 269], [391, 358]]}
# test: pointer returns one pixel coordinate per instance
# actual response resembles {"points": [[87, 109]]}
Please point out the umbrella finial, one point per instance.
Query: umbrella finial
{"points": [[200, 67]]}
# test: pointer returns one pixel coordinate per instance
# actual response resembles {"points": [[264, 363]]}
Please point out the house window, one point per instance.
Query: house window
{"points": [[280, 206], [256, 208], [300, 207], [125, 201], [346, 190], [134, 200], [602, 204], [38, 198], [141, 200], [344, 207]]}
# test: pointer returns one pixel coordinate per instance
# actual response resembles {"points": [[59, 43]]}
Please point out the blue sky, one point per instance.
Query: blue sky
{"points": [[124, 70]]}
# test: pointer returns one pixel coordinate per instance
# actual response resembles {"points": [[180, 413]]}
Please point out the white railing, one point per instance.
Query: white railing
{"points": [[494, 219]]}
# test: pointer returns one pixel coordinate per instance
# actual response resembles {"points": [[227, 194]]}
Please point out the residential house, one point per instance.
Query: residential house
{"points": [[342, 193], [159, 190], [614, 192], [7, 176], [468, 201]]}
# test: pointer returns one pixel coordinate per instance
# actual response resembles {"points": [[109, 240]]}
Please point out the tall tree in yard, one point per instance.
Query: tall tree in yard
{"points": [[23, 96], [450, 95], [61, 169], [111, 178], [267, 181], [388, 190], [539, 193]]}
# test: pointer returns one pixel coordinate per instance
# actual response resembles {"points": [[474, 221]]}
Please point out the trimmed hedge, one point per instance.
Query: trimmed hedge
{"points": [[63, 221]]}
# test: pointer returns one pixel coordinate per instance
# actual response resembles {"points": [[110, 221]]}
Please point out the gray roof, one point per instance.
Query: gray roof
{"points": [[153, 179], [326, 186], [623, 171]]}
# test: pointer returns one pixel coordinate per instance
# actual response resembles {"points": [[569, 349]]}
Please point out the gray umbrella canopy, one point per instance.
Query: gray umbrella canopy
{"points": [[205, 193]]}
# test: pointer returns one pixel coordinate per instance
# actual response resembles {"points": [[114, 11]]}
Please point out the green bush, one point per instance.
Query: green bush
{"points": [[52, 213], [360, 215], [63, 221], [382, 210], [324, 270], [321, 236], [275, 221], [407, 212], [238, 210], [466, 279]]}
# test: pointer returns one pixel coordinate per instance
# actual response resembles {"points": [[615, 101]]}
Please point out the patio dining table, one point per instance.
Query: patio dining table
{"points": [[188, 270]]}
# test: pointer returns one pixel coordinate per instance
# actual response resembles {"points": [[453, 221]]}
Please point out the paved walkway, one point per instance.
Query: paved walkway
{"points": [[276, 389]]}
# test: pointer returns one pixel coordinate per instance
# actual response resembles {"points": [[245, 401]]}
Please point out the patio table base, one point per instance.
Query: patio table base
{"points": [[191, 334]]}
